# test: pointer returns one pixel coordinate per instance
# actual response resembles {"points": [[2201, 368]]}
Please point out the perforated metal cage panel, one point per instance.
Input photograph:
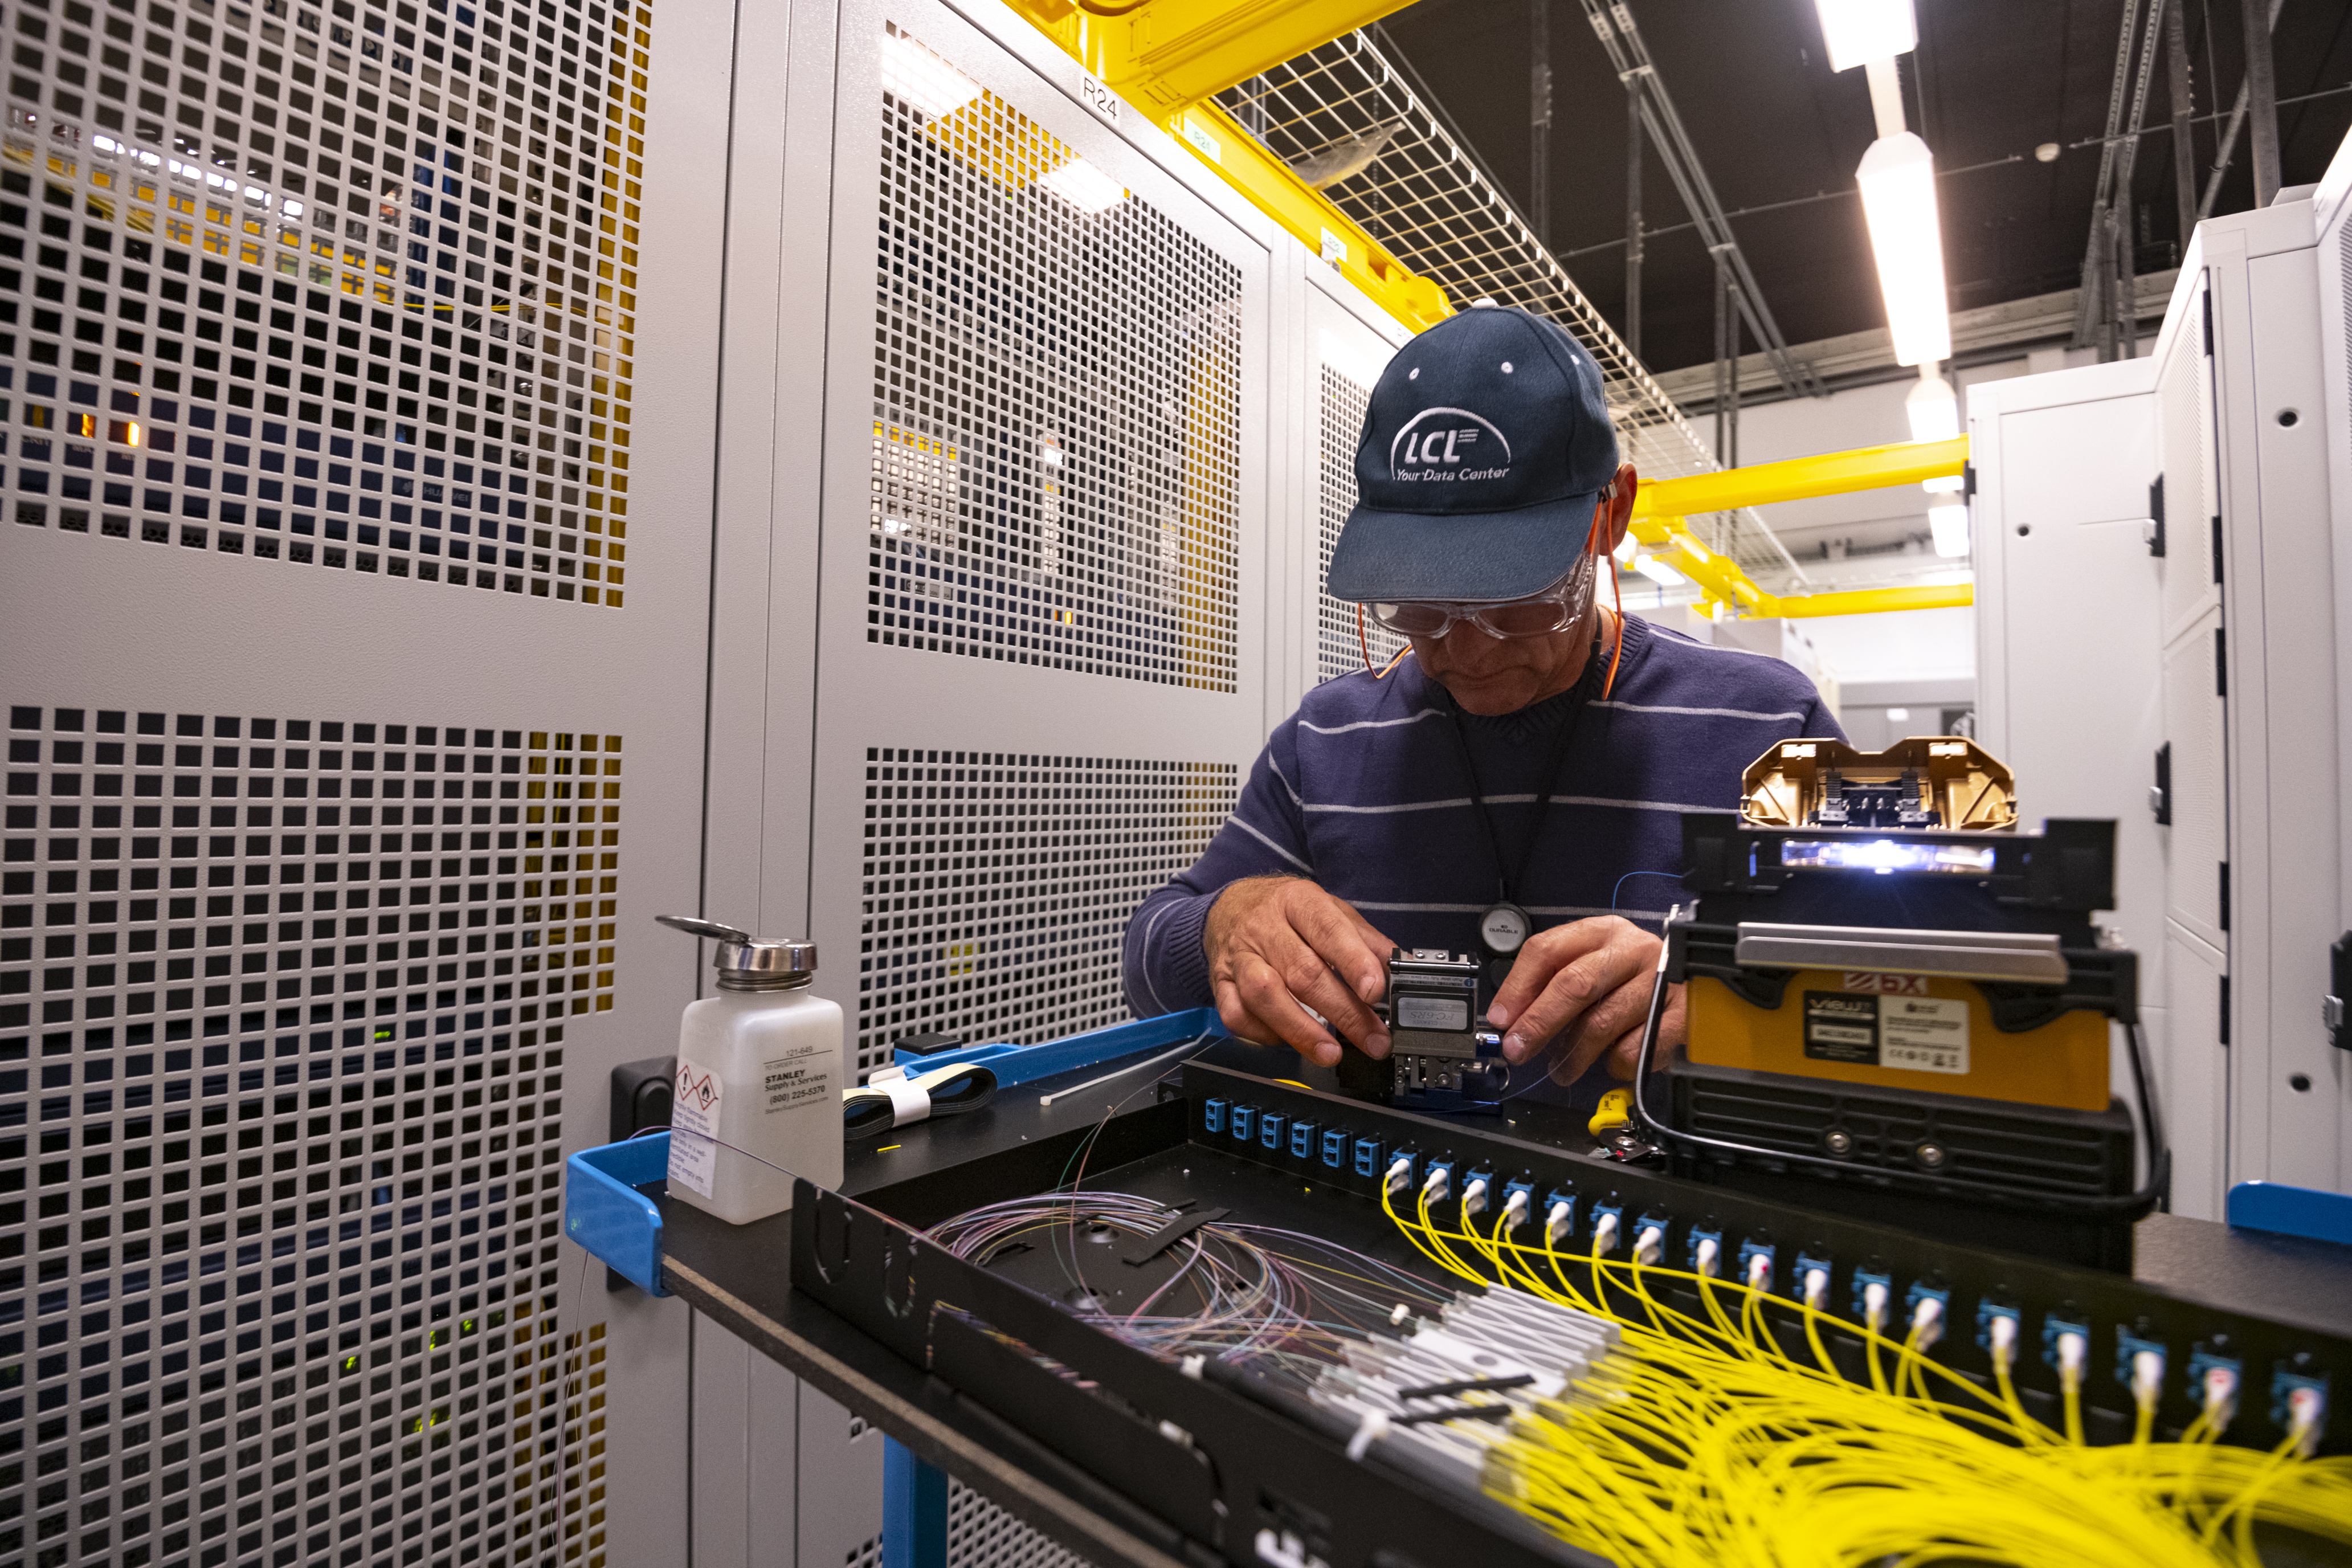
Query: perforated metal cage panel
{"points": [[317, 402], [982, 1535], [1341, 638], [271, 261], [1055, 400], [1040, 682], [997, 887]]}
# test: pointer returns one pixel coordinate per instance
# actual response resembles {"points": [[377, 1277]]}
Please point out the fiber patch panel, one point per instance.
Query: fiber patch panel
{"points": [[1851, 1271]]}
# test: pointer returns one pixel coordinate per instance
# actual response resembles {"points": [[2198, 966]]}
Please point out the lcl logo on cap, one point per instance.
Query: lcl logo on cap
{"points": [[1435, 443]]}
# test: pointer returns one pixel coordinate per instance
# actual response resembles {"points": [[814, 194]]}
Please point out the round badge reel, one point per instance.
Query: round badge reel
{"points": [[1504, 928]]}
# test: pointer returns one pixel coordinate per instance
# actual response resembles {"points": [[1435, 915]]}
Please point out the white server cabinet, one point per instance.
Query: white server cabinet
{"points": [[1025, 428], [353, 576], [2250, 657], [2069, 689], [2332, 212]]}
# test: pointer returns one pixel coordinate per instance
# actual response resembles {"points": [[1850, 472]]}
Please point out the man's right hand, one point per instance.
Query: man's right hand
{"points": [[1279, 945]]}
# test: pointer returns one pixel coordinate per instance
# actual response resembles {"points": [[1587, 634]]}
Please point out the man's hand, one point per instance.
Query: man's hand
{"points": [[1279, 945], [1579, 989]]}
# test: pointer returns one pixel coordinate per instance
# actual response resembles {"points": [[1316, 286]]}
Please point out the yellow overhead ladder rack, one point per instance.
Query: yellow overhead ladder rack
{"points": [[1169, 57], [1662, 505]]}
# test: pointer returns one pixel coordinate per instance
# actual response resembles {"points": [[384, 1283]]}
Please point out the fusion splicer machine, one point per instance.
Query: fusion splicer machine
{"points": [[1898, 1006], [1442, 1056]]}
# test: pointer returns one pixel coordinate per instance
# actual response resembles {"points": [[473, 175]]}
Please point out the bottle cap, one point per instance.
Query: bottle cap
{"points": [[748, 962]]}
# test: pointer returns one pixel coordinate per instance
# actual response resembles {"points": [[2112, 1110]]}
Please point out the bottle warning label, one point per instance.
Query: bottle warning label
{"points": [[1914, 1034], [694, 1109]]}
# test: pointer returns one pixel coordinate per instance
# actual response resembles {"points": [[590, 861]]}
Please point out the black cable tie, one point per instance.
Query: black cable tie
{"points": [[1459, 1413], [1467, 1385], [1152, 1245]]}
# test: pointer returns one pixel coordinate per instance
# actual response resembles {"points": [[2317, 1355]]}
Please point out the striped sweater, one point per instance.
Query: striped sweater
{"points": [[1366, 789]]}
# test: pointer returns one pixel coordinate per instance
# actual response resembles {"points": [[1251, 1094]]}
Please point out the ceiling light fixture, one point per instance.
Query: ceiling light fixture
{"points": [[1898, 201], [1658, 572], [1859, 31]]}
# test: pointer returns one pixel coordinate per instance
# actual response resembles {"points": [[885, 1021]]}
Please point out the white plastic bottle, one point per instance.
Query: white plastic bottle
{"points": [[757, 1099]]}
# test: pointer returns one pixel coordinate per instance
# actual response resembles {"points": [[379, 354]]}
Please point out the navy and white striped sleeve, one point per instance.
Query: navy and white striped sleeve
{"points": [[1163, 961]]}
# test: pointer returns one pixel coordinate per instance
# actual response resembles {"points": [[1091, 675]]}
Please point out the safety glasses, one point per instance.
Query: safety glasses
{"points": [[1556, 609]]}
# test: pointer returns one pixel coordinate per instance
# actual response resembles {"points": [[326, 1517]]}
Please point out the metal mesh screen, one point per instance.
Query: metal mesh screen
{"points": [[1056, 402], [280, 1080], [1344, 107], [1337, 648], [982, 1535], [351, 289], [997, 886]]}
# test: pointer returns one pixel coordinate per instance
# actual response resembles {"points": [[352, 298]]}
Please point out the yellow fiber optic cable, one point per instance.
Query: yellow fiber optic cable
{"points": [[1699, 1440]]}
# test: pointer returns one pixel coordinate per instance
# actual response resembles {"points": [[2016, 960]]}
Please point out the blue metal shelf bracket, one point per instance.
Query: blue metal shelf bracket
{"points": [[604, 1211]]}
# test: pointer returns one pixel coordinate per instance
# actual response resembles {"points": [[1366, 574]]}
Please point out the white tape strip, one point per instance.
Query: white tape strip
{"points": [[909, 1103]]}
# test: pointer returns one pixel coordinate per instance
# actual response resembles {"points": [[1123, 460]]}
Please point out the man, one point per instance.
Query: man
{"points": [[1534, 753]]}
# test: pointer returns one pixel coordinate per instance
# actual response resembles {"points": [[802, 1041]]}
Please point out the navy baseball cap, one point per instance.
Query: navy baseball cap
{"points": [[1486, 443]]}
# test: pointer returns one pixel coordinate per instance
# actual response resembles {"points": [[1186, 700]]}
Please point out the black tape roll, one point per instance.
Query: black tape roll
{"points": [[867, 1113]]}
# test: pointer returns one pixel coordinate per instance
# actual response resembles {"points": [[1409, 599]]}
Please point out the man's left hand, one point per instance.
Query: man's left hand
{"points": [[1578, 990]]}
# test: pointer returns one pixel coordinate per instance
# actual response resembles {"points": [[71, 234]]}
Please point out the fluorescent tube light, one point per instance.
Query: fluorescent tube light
{"points": [[1084, 186], [1658, 572], [1898, 200], [1949, 521], [1859, 31], [1627, 548]]}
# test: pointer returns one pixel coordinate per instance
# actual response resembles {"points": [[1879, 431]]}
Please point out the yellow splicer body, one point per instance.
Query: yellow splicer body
{"points": [[1900, 1031]]}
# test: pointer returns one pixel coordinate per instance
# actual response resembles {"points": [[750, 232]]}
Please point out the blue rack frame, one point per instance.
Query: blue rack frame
{"points": [[1020, 1063]]}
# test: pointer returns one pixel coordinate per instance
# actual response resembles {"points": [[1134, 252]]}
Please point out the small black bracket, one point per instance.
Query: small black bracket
{"points": [[2336, 1008]]}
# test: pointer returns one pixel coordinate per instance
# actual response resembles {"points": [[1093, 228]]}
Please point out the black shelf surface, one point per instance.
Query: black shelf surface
{"points": [[741, 1274]]}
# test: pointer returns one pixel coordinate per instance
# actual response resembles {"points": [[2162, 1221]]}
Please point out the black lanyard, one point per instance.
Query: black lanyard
{"points": [[1506, 885]]}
